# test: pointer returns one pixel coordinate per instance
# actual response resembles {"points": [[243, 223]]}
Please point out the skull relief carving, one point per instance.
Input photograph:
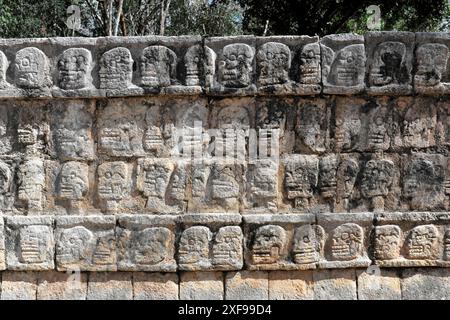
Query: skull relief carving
{"points": [[347, 242], [423, 243], [268, 245], [235, 68], [274, 61], [308, 244], [387, 242]]}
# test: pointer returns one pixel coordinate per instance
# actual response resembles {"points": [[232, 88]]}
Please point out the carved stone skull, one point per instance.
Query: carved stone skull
{"points": [[235, 68], [268, 244]]}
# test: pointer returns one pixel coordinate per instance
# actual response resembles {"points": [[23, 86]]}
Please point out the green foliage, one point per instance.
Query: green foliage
{"points": [[334, 16], [214, 18], [33, 18], [47, 18]]}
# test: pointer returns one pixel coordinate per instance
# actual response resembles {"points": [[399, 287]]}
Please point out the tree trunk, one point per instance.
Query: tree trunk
{"points": [[119, 14], [110, 16], [164, 11]]}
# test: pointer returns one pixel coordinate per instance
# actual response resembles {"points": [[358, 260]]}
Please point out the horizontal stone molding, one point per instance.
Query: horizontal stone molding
{"points": [[260, 242], [378, 63]]}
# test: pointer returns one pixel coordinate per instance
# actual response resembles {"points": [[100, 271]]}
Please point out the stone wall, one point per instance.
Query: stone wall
{"points": [[240, 161]]}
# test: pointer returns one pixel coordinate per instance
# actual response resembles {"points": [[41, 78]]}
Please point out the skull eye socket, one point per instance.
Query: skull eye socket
{"points": [[306, 239], [232, 57], [350, 59], [108, 175], [345, 236]]}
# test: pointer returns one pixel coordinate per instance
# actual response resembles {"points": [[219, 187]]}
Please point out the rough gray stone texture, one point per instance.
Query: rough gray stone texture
{"points": [[425, 284], [19, 285], [155, 286], [138, 154], [110, 286], [335, 284], [62, 285], [293, 285], [201, 286], [379, 284], [245, 285]]}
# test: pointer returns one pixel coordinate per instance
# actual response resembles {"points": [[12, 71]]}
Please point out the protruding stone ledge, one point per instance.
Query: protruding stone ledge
{"points": [[342, 64], [257, 242]]}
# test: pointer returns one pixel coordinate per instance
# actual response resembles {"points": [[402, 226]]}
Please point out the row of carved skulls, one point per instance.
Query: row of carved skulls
{"points": [[201, 248], [346, 242], [158, 66], [163, 181]]}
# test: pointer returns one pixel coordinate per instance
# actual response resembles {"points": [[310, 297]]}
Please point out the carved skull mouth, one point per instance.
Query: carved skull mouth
{"points": [[67, 190], [418, 250], [265, 255], [223, 189], [305, 254], [344, 251], [109, 189], [346, 75], [26, 136]]}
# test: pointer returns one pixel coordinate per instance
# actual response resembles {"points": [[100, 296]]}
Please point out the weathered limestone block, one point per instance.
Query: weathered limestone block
{"points": [[210, 242], [347, 239], [85, 243], [30, 243], [411, 239], [32, 72], [7, 194], [311, 127], [146, 243], [378, 284], [301, 173], [425, 284], [235, 65], [217, 185], [191, 123], [110, 286], [116, 72], [2, 245], [380, 183], [31, 178], [3, 67], [343, 63], [292, 285], [71, 128], [335, 284], [424, 176], [201, 286], [53, 285], [163, 182], [73, 67], [362, 125], [417, 123], [200, 64], [389, 62], [6, 130], [72, 186], [19, 285], [262, 186], [114, 184], [275, 121], [282, 242], [155, 286], [171, 65], [247, 285], [121, 128], [288, 65], [431, 58]]}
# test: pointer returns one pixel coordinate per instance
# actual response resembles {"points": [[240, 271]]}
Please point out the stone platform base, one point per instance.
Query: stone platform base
{"points": [[348, 284]]}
